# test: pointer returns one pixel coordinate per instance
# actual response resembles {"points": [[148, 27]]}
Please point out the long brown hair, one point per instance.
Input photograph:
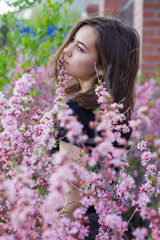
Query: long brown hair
{"points": [[118, 49]]}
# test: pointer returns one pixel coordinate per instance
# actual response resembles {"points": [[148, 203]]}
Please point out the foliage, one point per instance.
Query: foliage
{"points": [[22, 4], [37, 45], [72, 15]]}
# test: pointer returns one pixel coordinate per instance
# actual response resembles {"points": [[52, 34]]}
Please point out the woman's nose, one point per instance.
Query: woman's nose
{"points": [[67, 51]]}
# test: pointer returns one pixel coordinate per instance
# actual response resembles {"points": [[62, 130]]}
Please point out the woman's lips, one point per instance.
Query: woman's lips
{"points": [[65, 62]]}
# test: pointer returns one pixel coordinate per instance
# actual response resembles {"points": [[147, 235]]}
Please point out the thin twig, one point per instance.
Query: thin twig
{"points": [[45, 56], [126, 236], [96, 71], [127, 110], [131, 216]]}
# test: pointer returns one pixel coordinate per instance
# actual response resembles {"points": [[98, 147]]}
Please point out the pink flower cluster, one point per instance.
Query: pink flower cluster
{"points": [[44, 89], [147, 110], [33, 182]]}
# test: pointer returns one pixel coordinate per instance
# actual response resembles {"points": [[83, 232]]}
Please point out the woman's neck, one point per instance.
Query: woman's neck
{"points": [[86, 85]]}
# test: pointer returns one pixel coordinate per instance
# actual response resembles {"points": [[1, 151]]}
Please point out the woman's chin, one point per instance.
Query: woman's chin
{"points": [[68, 73]]}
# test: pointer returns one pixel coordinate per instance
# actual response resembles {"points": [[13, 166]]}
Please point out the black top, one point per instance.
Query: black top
{"points": [[84, 116]]}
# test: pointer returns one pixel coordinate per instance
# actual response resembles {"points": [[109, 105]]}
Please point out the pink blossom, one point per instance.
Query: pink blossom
{"points": [[135, 123], [79, 213], [146, 157], [143, 200], [115, 222], [142, 145], [54, 201], [159, 211], [151, 170], [23, 85], [125, 187], [140, 233], [7, 237], [157, 143], [3, 102]]}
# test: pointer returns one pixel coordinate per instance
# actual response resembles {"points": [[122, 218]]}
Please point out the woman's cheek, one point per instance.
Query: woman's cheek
{"points": [[71, 71]]}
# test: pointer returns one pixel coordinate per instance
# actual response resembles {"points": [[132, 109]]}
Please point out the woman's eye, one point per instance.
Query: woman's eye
{"points": [[80, 49]]}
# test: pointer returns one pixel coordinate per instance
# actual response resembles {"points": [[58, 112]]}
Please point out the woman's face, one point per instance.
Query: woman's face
{"points": [[81, 54]]}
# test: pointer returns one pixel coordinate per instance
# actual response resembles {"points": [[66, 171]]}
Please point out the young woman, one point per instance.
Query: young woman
{"points": [[97, 46]]}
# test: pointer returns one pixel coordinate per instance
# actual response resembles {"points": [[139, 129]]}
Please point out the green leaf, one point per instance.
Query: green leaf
{"points": [[32, 93], [18, 75], [38, 93]]}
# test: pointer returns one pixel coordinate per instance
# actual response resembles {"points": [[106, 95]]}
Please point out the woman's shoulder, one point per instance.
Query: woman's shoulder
{"points": [[73, 104]]}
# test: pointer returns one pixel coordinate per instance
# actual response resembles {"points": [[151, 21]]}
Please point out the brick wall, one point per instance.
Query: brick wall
{"points": [[92, 10], [112, 7], [151, 36], [146, 19], [138, 22]]}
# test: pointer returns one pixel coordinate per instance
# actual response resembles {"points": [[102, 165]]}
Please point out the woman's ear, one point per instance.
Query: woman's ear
{"points": [[101, 72]]}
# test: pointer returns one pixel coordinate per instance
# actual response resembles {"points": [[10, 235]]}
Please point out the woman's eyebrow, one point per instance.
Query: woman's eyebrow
{"points": [[83, 44]]}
